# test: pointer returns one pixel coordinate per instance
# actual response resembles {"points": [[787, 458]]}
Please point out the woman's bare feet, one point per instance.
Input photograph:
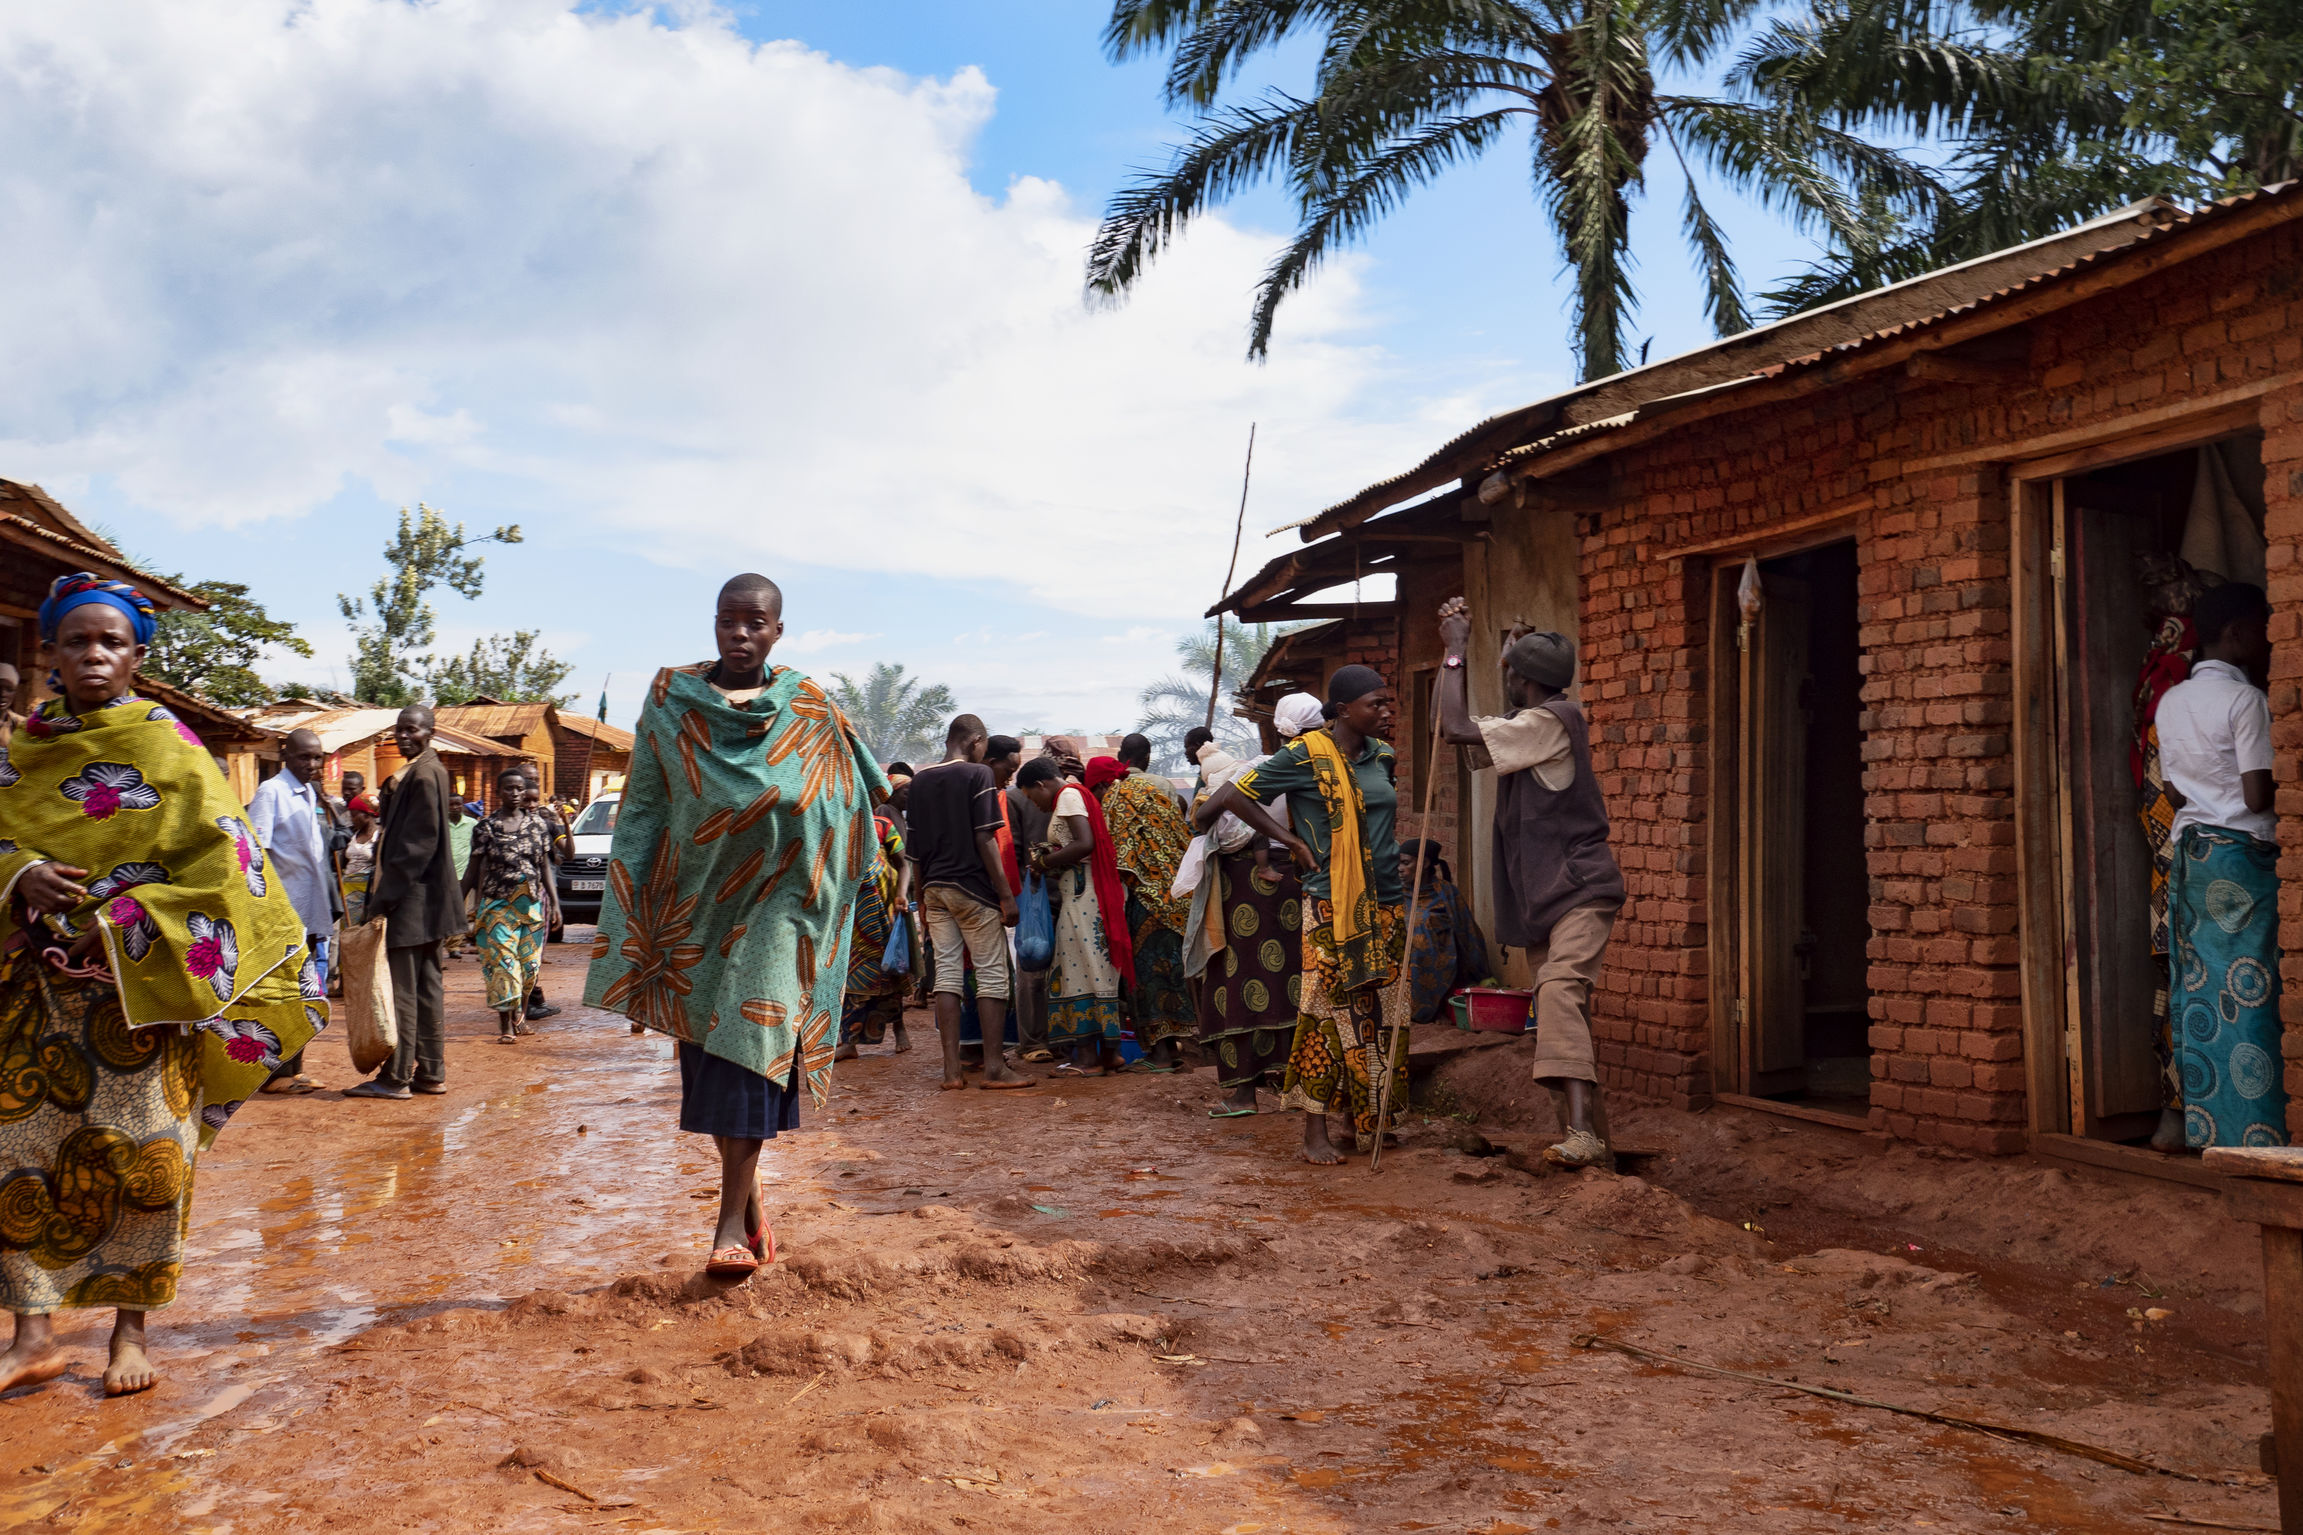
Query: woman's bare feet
{"points": [[846, 1052], [34, 1357], [131, 1368], [1317, 1149], [903, 1042]]}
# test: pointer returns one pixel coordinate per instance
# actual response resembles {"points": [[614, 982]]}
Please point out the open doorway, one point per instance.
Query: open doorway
{"points": [[2119, 536], [1801, 888]]}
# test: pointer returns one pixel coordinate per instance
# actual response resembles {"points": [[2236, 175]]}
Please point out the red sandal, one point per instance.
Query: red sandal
{"points": [[732, 1263]]}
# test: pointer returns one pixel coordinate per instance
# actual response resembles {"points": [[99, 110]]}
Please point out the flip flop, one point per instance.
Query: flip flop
{"points": [[1231, 1113], [1147, 1069], [732, 1263], [1037, 1057], [763, 1241]]}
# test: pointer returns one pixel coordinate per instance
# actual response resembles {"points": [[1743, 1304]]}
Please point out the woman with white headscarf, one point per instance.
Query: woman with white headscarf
{"points": [[1246, 934]]}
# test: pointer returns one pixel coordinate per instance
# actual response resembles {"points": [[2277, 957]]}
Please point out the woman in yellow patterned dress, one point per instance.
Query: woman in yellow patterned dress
{"points": [[1343, 802], [152, 975]]}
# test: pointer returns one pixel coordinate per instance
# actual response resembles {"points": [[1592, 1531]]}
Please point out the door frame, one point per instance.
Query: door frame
{"points": [[2047, 964], [1724, 852]]}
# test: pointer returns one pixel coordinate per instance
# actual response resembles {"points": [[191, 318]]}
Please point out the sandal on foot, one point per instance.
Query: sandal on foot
{"points": [[763, 1241], [1220, 1112], [732, 1263], [507, 1039], [1037, 1057]]}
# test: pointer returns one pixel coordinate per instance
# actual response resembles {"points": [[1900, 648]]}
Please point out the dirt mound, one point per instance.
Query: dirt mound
{"points": [[1634, 1207], [886, 1352]]}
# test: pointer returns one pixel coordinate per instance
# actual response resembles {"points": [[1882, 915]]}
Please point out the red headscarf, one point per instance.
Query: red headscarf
{"points": [[1103, 772], [1111, 896]]}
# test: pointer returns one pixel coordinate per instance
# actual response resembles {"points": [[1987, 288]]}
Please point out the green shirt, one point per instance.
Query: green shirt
{"points": [[1288, 771], [460, 843]]}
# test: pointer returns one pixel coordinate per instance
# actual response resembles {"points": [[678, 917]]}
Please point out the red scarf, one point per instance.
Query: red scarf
{"points": [[1111, 898], [1103, 772]]}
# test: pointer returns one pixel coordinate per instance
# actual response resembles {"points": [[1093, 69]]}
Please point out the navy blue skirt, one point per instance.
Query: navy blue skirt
{"points": [[718, 1097]]}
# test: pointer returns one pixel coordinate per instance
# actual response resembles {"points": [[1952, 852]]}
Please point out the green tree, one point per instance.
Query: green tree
{"points": [[390, 658], [1404, 89], [214, 653], [2045, 113], [1175, 703], [514, 669], [901, 718]]}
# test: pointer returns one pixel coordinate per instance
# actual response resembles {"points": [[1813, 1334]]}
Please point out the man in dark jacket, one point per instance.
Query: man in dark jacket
{"points": [[416, 889], [1557, 887]]}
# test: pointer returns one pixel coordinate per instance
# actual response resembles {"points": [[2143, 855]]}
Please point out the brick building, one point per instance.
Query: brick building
{"points": [[1879, 828]]}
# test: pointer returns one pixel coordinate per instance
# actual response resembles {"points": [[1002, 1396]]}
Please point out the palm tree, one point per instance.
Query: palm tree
{"points": [[1174, 704], [900, 718], [1404, 89], [2055, 111]]}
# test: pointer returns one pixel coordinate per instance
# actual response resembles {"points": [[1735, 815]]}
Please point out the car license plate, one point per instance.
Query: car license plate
{"points": [[580, 885]]}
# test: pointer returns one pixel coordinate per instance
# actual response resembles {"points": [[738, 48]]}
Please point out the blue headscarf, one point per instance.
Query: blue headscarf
{"points": [[77, 591]]}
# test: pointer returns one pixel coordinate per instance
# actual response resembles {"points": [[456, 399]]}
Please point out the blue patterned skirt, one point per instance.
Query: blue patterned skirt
{"points": [[2223, 908]]}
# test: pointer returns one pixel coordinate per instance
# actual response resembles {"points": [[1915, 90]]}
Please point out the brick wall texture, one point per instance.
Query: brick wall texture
{"points": [[1937, 664]]}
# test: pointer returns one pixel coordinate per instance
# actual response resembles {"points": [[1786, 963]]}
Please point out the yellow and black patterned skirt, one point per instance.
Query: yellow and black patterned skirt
{"points": [[98, 1128], [1249, 996], [1337, 1032]]}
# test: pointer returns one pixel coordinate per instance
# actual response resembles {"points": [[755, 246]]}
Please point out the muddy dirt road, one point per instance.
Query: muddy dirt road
{"points": [[1090, 1308]]}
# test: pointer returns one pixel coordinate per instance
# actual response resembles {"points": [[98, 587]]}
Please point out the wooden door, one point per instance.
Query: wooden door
{"points": [[1774, 783], [2112, 975]]}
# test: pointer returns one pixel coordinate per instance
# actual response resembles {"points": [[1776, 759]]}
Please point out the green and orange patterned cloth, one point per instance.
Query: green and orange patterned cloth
{"points": [[745, 831]]}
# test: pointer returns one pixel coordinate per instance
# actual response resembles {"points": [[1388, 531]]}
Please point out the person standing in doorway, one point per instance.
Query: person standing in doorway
{"points": [[1344, 801], [743, 834], [416, 891], [289, 819], [955, 856], [1558, 889], [2223, 888]]}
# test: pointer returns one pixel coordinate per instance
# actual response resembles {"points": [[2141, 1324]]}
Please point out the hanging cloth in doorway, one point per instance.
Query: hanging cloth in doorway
{"points": [[2220, 534]]}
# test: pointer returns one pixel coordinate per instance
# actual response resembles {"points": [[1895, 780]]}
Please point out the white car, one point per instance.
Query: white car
{"points": [[584, 874]]}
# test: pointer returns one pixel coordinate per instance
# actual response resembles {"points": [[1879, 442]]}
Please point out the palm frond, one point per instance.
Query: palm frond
{"points": [[1228, 152]]}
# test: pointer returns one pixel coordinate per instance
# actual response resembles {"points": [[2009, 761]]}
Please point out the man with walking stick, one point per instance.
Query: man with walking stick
{"points": [[1557, 885]]}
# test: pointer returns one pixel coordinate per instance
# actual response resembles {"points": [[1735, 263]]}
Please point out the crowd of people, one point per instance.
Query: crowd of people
{"points": [[774, 896]]}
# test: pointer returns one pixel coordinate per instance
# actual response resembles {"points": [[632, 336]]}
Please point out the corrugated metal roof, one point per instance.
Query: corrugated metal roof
{"points": [[339, 729], [1722, 361], [599, 730], [111, 566], [495, 719]]}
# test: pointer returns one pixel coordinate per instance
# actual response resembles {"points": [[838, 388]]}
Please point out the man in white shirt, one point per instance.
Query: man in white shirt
{"points": [[2223, 886], [290, 820]]}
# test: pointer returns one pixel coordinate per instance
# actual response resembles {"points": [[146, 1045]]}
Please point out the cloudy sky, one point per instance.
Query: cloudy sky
{"points": [[689, 289]]}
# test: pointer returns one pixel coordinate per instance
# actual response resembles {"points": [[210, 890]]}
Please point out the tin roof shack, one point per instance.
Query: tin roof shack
{"points": [[39, 541], [590, 754], [360, 740], [1880, 831], [1420, 550]]}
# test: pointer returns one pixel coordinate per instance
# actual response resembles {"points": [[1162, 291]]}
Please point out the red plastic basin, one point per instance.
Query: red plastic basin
{"points": [[1498, 1009]]}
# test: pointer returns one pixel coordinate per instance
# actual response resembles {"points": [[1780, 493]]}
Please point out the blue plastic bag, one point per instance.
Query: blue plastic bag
{"points": [[1035, 926], [896, 958]]}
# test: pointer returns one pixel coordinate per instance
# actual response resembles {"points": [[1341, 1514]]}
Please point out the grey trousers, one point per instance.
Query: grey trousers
{"points": [[1031, 1009], [420, 1000]]}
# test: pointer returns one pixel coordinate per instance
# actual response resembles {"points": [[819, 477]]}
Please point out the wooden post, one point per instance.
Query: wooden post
{"points": [[1215, 676], [2267, 1188]]}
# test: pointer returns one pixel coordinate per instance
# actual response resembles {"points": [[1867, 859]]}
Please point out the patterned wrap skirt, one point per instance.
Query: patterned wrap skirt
{"points": [[1161, 1000], [511, 944], [1336, 1032], [98, 1128], [2223, 907], [1250, 994]]}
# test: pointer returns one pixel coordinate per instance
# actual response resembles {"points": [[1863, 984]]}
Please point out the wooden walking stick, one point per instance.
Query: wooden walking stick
{"points": [[1402, 987]]}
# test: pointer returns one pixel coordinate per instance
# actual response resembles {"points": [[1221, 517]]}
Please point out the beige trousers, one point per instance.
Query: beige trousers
{"points": [[1565, 971]]}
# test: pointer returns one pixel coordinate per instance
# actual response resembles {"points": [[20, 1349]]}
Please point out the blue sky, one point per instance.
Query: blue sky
{"points": [[681, 305]]}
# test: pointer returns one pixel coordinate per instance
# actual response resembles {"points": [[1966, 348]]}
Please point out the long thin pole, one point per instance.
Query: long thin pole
{"points": [[1215, 678], [1404, 997]]}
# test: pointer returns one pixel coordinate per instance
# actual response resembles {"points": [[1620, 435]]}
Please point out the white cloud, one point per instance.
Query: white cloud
{"points": [[816, 641], [662, 293]]}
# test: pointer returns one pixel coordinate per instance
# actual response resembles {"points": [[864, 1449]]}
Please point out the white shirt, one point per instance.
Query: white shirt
{"points": [[2212, 728], [1526, 739], [286, 817]]}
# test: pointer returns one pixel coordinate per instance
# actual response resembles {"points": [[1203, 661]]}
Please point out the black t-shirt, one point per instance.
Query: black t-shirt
{"points": [[949, 804]]}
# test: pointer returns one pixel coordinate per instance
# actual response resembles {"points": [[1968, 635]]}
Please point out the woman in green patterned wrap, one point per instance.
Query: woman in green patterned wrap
{"points": [[152, 975]]}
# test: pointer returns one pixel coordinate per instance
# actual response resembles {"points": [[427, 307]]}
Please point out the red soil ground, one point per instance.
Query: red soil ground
{"points": [[1091, 1308]]}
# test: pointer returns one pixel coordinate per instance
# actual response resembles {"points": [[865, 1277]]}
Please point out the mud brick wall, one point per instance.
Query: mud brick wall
{"points": [[1423, 586], [1936, 625]]}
